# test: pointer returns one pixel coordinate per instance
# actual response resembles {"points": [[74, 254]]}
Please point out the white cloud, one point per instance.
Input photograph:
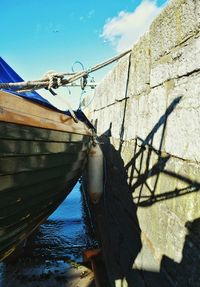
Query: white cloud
{"points": [[126, 28]]}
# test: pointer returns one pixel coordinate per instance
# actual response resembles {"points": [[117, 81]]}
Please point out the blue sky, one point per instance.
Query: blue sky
{"points": [[42, 35]]}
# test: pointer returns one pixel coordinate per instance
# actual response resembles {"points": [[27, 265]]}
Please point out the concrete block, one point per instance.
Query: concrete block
{"points": [[151, 117], [197, 12], [182, 135], [154, 230], [181, 61], [173, 26], [167, 203], [145, 259], [121, 76], [145, 118], [183, 125], [103, 121], [118, 115], [140, 67], [178, 183], [131, 120], [110, 120], [106, 91], [114, 86]]}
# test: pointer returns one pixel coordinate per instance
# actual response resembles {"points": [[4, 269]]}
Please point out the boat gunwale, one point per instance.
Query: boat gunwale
{"points": [[17, 110]]}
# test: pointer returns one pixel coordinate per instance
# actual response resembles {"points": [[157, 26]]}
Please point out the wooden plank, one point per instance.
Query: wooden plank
{"points": [[13, 198], [26, 179], [12, 165], [32, 225], [24, 215], [32, 208], [16, 197], [15, 109], [16, 148], [15, 131], [8, 238]]}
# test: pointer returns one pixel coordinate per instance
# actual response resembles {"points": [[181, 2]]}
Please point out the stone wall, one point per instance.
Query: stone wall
{"points": [[147, 112]]}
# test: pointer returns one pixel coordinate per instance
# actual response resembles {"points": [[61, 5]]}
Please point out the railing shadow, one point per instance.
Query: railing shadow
{"points": [[138, 178]]}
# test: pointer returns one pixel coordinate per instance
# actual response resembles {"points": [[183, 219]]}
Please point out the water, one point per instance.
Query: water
{"points": [[55, 248], [66, 232]]}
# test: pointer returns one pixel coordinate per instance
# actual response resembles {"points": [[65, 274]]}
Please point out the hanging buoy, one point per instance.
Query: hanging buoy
{"points": [[95, 173]]}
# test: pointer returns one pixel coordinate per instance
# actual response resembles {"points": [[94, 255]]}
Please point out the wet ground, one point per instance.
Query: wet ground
{"points": [[53, 257]]}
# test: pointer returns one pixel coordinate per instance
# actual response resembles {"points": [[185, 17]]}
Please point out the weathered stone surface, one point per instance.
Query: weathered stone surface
{"points": [[113, 87], [121, 78], [131, 120], [146, 258], [166, 189], [145, 117], [140, 67], [197, 12], [183, 125], [172, 27], [153, 138], [181, 61], [105, 93], [102, 121]]}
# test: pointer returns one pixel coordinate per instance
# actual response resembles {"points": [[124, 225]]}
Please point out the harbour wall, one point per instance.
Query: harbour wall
{"points": [[147, 114]]}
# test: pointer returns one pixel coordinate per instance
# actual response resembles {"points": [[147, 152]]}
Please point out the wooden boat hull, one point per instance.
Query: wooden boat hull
{"points": [[38, 168]]}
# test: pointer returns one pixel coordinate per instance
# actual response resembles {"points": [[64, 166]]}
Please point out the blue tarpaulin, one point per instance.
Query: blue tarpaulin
{"points": [[8, 75]]}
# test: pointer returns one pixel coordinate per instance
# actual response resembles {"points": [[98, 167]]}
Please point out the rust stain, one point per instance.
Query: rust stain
{"points": [[88, 254], [148, 242]]}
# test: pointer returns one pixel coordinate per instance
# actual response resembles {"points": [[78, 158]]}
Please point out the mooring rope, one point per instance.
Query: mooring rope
{"points": [[54, 80]]}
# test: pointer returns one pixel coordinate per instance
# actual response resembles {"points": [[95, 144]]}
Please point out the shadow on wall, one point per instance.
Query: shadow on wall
{"points": [[138, 177], [118, 216], [118, 221], [187, 272]]}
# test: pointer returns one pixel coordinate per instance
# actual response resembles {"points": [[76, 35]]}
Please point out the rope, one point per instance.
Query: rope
{"points": [[97, 67], [53, 80]]}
